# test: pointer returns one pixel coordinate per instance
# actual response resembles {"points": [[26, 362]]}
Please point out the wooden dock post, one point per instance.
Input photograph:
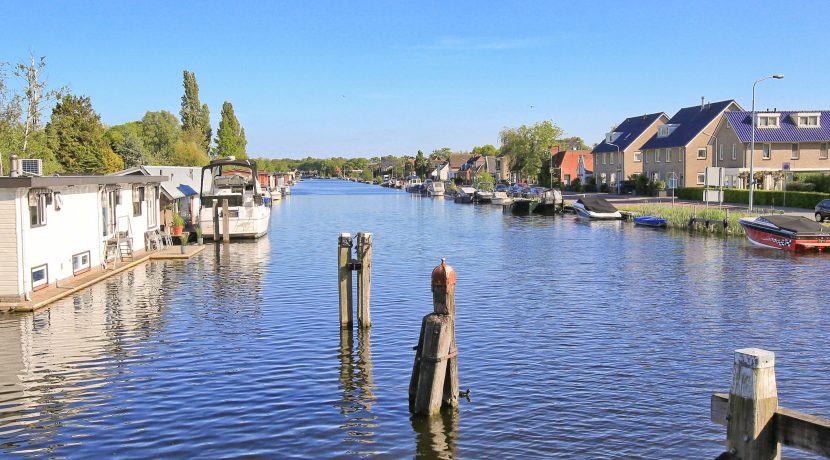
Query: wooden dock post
{"points": [[753, 401], [434, 382], [215, 221], [364, 279], [226, 222], [344, 273]]}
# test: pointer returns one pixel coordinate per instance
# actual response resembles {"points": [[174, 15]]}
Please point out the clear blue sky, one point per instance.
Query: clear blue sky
{"points": [[368, 78]]}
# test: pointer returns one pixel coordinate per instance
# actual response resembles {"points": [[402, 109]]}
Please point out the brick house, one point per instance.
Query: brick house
{"points": [[619, 155]]}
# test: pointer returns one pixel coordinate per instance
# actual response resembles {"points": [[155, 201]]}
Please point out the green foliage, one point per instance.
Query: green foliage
{"points": [[576, 185], [571, 143], [820, 181], [805, 200], [421, 164], [679, 216], [126, 141], [230, 137], [528, 146], [801, 187], [441, 154], [76, 135], [488, 150], [367, 175], [178, 221], [195, 116], [689, 193], [159, 133], [641, 184]]}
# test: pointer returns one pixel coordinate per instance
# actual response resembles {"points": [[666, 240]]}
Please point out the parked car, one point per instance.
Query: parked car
{"points": [[823, 210]]}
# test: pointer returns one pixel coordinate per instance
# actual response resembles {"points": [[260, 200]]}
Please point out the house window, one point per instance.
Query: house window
{"points": [[680, 154], [766, 153], [605, 158], [701, 177], [646, 156], [37, 209], [701, 153], [80, 263], [720, 153], [655, 176], [767, 120], [808, 120], [665, 130], [668, 155], [734, 152], [40, 277], [822, 153], [795, 154], [657, 156], [612, 159], [138, 197], [638, 156]]}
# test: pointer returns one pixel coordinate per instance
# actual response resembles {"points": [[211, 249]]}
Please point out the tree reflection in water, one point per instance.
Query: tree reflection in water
{"points": [[356, 383]]}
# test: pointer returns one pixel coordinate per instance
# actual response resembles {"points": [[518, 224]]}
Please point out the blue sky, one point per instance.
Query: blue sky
{"points": [[357, 78]]}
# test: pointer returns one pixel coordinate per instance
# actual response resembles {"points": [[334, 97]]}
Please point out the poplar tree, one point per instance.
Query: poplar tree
{"points": [[195, 116], [230, 137]]}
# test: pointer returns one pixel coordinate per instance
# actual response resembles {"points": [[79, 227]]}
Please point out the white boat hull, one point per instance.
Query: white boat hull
{"points": [[251, 222], [586, 214]]}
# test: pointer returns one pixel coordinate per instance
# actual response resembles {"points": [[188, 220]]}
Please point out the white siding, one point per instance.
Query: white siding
{"points": [[9, 268]]}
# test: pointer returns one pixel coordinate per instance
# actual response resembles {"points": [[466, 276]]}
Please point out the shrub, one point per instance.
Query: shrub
{"points": [[576, 185], [806, 200], [801, 187], [603, 188], [178, 221], [689, 193], [820, 181]]}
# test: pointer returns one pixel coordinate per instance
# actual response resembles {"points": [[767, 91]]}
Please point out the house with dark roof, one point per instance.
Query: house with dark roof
{"points": [[619, 155], [683, 147], [456, 161], [566, 164], [797, 138]]}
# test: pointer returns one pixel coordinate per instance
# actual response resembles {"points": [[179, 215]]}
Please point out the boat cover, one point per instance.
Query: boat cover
{"points": [[796, 224], [596, 204], [468, 190]]}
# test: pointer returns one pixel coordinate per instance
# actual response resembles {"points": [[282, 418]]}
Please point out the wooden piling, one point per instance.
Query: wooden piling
{"points": [[435, 351], [226, 222], [753, 401], [443, 302], [344, 255], [364, 279], [215, 221]]}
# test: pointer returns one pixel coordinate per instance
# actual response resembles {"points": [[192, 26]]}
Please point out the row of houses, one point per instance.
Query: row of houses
{"points": [[678, 149]]}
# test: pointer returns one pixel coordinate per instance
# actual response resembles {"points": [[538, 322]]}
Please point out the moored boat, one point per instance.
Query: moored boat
{"points": [[550, 201], [465, 195], [523, 206], [501, 199], [413, 184], [650, 221], [434, 188], [794, 233], [233, 181], [596, 208]]}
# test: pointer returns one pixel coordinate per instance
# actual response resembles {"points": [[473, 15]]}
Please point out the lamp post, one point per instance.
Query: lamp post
{"points": [[622, 167], [752, 145]]}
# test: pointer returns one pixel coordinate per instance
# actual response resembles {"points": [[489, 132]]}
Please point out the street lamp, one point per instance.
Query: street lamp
{"points": [[752, 145], [622, 167]]}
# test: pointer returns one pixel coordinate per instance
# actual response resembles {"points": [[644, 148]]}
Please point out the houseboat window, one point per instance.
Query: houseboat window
{"points": [[638, 156], [766, 154], [822, 153], [37, 209], [701, 153], [40, 277], [138, 197], [701, 177], [734, 152], [794, 155], [80, 262]]}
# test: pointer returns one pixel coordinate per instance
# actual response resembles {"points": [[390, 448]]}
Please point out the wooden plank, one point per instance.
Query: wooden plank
{"points": [[803, 431], [720, 408]]}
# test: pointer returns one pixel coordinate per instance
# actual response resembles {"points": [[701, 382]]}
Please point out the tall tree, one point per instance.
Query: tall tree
{"points": [[126, 141], [34, 96], [159, 133], [421, 164], [195, 116], [487, 150], [76, 135], [441, 154], [230, 137], [528, 147]]}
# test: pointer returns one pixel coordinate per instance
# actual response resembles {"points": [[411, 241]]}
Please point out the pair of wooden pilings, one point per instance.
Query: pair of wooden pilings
{"points": [[225, 221], [434, 382], [756, 426], [345, 267]]}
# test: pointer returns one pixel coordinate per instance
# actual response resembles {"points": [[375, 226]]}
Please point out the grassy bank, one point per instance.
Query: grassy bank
{"points": [[678, 216]]}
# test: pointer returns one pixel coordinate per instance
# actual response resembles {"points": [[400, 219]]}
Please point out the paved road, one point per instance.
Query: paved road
{"points": [[633, 199]]}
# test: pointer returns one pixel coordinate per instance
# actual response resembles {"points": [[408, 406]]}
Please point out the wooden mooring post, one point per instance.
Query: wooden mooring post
{"points": [[345, 267], [756, 426], [434, 381], [226, 222]]}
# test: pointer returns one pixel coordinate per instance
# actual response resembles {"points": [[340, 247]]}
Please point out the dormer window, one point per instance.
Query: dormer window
{"points": [[808, 120], [612, 137], [768, 120], [665, 130]]}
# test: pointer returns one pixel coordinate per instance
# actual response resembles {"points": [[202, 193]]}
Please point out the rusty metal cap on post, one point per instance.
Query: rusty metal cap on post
{"points": [[443, 274]]}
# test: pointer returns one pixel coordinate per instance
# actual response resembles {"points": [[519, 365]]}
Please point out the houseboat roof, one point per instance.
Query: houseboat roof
{"points": [[629, 130], [182, 181], [55, 181], [787, 130], [688, 122]]}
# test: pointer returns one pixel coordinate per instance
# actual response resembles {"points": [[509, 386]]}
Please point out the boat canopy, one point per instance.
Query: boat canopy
{"points": [[797, 224], [597, 204], [468, 190]]}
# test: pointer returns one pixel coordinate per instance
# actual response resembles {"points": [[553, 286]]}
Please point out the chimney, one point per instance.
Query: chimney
{"points": [[13, 172], [702, 102]]}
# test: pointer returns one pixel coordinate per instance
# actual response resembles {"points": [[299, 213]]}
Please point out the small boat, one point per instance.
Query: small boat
{"points": [[596, 208], [233, 182], [501, 199], [413, 184], [434, 188], [482, 196], [794, 233], [550, 201], [465, 195], [523, 206], [650, 221]]}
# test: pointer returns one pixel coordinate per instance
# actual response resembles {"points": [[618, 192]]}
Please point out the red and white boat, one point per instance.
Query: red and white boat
{"points": [[794, 233]]}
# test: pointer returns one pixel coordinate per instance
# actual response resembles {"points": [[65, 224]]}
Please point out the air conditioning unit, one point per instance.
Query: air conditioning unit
{"points": [[32, 166]]}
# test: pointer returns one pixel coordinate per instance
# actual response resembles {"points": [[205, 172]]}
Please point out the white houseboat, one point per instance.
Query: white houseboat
{"points": [[235, 182], [57, 227]]}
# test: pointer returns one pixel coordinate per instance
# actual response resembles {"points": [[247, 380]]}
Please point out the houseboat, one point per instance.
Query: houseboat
{"points": [[596, 208], [794, 233], [233, 181]]}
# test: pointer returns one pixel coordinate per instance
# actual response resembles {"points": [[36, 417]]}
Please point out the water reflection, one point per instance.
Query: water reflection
{"points": [[436, 436], [357, 386]]}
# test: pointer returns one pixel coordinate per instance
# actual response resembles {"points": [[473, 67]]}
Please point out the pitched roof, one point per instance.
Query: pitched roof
{"points": [[182, 180], [458, 159], [631, 128], [787, 131], [690, 122]]}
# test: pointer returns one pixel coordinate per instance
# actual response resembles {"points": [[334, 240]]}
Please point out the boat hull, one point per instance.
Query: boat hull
{"points": [[764, 236], [252, 226], [523, 207], [586, 214], [650, 221]]}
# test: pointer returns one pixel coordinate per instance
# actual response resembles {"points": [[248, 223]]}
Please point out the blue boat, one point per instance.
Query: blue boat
{"points": [[650, 221]]}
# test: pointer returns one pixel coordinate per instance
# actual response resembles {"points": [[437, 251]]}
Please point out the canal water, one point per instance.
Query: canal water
{"points": [[578, 340]]}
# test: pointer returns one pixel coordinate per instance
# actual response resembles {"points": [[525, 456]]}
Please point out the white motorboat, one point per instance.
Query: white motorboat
{"points": [[434, 188], [592, 207], [501, 199], [413, 184], [234, 181]]}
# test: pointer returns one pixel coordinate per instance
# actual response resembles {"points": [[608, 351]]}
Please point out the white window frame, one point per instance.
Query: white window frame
{"points": [[705, 153], [681, 152], [795, 151], [612, 158], [720, 152], [766, 151], [638, 156], [152, 211], [138, 197], [668, 155], [734, 152], [81, 263], [657, 155], [701, 178], [770, 120], [822, 152], [40, 284], [38, 212], [804, 119]]}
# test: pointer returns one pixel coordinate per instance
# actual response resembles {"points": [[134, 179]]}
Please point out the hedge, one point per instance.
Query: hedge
{"points": [[806, 200]]}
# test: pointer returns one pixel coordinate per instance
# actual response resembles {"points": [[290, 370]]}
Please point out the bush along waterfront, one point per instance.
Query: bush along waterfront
{"points": [[806, 200], [679, 217]]}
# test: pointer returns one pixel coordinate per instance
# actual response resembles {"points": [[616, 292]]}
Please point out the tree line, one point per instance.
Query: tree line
{"points": [[75, 140]]}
